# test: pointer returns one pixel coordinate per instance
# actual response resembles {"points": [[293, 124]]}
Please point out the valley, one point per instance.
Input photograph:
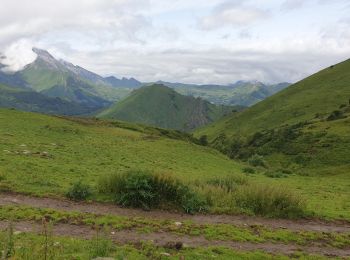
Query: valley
{"points": [[43, 156], [184, 130]]}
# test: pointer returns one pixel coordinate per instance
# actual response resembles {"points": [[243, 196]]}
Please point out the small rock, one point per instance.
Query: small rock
{"points": [[165, 254], [26, 152], [178, 224], [112, 232], [174, 245], [282, 227], [23, 145], [17, 232]]}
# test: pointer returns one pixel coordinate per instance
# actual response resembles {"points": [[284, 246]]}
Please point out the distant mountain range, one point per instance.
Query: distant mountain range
{"points": [[161, 106], [49, 85], [243, 93], [82, 90]]}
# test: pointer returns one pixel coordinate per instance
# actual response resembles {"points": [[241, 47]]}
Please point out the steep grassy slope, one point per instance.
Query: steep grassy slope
{"points": [[319, 94], [304, 128], [161, 106], [25, 99]]}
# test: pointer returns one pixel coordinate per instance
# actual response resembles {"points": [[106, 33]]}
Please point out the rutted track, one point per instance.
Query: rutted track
{"points": [[170, 240], [102, 208]]}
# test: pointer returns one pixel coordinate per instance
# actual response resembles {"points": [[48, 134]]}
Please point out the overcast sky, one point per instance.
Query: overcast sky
{"points": [[192, 41]]}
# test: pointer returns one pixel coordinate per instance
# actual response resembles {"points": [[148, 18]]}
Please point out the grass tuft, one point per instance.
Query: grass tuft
{"points": [[79, 191], [146, 190], [270, 201]]}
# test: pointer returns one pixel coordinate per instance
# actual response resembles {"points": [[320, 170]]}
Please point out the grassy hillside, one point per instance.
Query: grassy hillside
{"points": [[44, 155], [25, 99], [53, 152], [161, 106], [304, 129], [315, 96]]}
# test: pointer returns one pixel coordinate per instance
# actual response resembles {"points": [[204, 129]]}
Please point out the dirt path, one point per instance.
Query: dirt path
{"points": [[99, 208], [171, 240]]}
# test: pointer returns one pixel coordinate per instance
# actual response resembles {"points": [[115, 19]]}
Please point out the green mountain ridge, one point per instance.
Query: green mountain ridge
{"points": [[27, 100], [302, 127], [161, 106], [241, 93], [61, 79]]}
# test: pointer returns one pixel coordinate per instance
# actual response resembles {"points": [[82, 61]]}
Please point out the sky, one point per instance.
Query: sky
{"points": [[190, 41]]}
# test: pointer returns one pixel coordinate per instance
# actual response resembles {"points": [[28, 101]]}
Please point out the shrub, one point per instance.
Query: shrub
{"points": [[270, 201], [286, 171], [302, 159], [274, 174], [191, 202], [143, 189], [257, 160], [248, 170], [203, 140], [79, 191], [337, 114]]}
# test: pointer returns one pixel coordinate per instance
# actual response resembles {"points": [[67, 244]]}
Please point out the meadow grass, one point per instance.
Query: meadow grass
{"points": [[224, 232], [44, 156]]}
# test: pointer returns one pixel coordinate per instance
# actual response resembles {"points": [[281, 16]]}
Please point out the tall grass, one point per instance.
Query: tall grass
{"points": [[101, 245], [270, 201], [231, 194], [79, 191], [144, 189], [235, 195], [228, 183]]}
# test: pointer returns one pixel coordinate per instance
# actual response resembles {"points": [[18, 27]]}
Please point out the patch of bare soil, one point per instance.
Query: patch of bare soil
{"points": [[172, 240], [111, 209]]}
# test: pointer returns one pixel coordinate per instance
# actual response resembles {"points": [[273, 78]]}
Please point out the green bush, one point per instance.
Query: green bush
{"points": [[248, 170], [79, 191], [274, 174], [257, 160], [270, 201], [143, 189], [337, 114], [203, 140]]}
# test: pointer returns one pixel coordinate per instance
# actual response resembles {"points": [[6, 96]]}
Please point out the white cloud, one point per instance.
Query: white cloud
{"points": [[17, 55], [157, 39], [232, 14], [32, 18]]}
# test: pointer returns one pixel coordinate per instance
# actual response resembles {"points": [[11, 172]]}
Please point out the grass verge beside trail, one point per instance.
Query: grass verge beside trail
{"points": [[223, 232], [31, 247]]}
